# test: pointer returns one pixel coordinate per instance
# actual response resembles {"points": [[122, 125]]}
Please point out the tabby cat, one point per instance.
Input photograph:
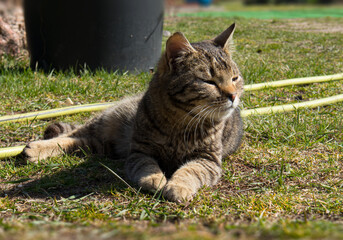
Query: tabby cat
{"points": [[173, 136]]}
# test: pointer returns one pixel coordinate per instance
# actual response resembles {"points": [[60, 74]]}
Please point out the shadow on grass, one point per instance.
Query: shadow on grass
{"points": [[74, 181]]}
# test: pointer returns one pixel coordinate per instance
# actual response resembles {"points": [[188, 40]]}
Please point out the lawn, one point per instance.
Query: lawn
{"points": [[286, 181]]}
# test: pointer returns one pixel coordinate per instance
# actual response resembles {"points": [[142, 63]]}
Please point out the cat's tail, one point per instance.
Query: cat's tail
{"points": [[58, 128]]}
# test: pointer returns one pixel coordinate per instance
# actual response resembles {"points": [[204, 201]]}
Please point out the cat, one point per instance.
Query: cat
{"points": [[173, 137]]}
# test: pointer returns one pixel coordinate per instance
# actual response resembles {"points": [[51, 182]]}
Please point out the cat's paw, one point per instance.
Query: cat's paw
{"points": [[58, 128], [153, 182], [33, 151], [177, 192], [53, 130]]}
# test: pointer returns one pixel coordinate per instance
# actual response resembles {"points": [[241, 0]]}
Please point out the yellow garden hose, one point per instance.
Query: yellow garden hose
{"points": [[100, 106], [10, 151], [55, 112], [295, 81], [14, 151], [293, 106]]}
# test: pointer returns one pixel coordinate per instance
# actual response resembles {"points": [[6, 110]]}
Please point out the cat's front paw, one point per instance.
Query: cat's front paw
{"points": [[153, 182], [177, 192]]}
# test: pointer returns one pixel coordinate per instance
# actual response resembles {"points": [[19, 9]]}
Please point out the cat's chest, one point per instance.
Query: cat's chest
{"points": [[182, 148], [173, 154]]}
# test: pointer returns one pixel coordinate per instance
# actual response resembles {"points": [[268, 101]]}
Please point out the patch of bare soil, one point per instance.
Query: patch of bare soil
{"points": [[12, 28], [306, 25]]}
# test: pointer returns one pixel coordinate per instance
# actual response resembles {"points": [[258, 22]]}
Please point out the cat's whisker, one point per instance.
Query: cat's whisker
{"points": [[203, 121], [219, 112], [189, 127], [203, 117], [198, 118], [189, 114], [177, 124], [212, 116], [201, 130]]}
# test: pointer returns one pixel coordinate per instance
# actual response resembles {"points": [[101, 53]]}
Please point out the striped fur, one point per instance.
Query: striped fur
{"points": [[173, 136]]}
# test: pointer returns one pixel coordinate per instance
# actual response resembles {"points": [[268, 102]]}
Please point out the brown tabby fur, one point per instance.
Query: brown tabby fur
{"points": [[173, 136]]}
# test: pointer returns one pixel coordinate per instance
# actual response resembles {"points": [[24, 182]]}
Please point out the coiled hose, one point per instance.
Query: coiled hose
{"points": [[14, 151]]}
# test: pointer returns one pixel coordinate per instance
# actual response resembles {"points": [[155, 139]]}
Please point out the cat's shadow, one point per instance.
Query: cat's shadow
{"points": [[89, 176]]}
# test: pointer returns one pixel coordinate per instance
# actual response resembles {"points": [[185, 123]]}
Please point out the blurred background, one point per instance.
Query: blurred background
{"points": [[13, 35], [12, 27], [249, 2]]}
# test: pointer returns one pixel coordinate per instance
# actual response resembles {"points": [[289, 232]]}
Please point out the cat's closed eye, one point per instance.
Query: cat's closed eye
{"points": [[212, 72], [210, 82]]}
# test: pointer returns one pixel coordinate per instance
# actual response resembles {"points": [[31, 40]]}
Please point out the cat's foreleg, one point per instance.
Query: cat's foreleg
{"points": [[187, 180], [145, 172]]}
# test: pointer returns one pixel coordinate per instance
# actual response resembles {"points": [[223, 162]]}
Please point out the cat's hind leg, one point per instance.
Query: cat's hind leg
{"points": [[69, 139], [40, 150], [53, 144], [58, 128]]}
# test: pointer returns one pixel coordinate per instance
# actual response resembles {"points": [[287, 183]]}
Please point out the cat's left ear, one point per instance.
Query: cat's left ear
{"points": [[178, 44], [225, 38]]}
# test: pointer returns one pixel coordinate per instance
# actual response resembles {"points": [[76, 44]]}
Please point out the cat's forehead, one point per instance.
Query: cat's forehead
{"points": [[211, 52], [208, 47], [209, 61], [213, 56]]}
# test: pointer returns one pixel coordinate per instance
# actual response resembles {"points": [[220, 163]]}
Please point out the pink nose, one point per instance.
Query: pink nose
{"points": [[232, 97]]}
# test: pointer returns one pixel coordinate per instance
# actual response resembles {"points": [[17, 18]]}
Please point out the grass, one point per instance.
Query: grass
{"points": [[235, 8], [238, 5], [285, 182], [271, 14]]}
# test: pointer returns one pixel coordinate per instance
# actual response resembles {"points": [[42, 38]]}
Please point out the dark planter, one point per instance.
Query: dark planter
{"points": [[109, 34]]}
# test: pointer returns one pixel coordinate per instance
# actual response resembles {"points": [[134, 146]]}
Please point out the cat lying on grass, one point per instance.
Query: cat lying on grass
{"points": [[173, 136]]}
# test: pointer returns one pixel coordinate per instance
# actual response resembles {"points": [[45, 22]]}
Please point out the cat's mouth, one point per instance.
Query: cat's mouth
{"points": [[217, 110], [227, 109], [228, 104], [235, 103]]}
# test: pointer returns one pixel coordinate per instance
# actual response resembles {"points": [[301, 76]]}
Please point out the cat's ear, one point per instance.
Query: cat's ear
{"points": [[178, 44], [225, 38]]}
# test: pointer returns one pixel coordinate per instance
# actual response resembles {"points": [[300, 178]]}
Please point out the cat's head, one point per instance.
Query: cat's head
{"points": [[202, 77]]}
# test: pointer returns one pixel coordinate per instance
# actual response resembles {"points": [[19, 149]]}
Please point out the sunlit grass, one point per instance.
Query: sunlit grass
{"points": [[286, 181]]}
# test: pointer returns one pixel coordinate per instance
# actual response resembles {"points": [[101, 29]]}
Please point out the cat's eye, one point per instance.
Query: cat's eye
{"points": [[212, 72], [210, 82], [235, 78]]}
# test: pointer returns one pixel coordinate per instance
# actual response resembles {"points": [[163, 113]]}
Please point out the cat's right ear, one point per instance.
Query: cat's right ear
{"points": [[225, 38], [176, 45]]}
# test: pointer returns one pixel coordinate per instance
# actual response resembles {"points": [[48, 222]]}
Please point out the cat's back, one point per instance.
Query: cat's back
{"points": [[116, 125], [124, 109]]}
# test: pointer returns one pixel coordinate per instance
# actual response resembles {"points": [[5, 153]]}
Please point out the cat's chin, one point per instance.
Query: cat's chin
{"points": [[226, 114], [235, 103], [229, 113], [223, 114], [228, 110]]}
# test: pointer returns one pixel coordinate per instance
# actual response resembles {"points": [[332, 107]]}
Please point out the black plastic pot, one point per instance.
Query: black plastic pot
{"points": [[109, 34]]}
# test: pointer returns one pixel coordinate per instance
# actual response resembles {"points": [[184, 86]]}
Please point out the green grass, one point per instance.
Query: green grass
{"points": [[271, 14], [286, 181], [238, 5], [268, 11]]}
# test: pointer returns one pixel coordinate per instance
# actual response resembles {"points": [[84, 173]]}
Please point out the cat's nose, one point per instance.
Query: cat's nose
{"points": [[229, 90], [231, 96]]}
